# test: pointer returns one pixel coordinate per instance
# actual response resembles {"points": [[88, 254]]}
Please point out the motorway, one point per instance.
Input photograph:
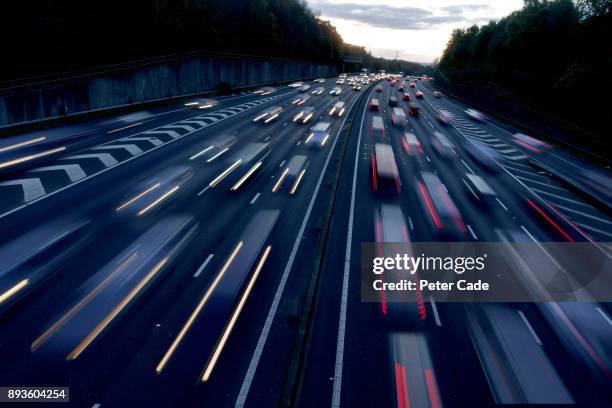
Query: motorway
{"points": [[132, 272]]}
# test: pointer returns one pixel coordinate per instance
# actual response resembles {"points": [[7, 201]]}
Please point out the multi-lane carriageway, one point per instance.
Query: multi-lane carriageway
{"points": [[152, 287]]}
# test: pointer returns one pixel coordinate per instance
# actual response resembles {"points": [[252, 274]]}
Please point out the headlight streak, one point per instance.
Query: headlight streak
{"points": [[217, 155], [227, 171], [12, 291], [31, 157], [195, 156], [297, 182], [22, 144], [246, 176], [279, 183], [159, 200], [138, 197]]}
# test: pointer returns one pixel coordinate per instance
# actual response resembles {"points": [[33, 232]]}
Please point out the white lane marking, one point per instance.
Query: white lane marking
{"points": [[590, 228], [468, 167], [153, 140], [255, 198], [197, 122], [502, 204], [54, 240], [32, 188], [435, 311], [472, 232], [125, 127], [282, 163], [203, 191], [107, 159], [529, 327], [566, 199], [132, 149], [172, 133], [604, 314], [73, 171], [583, 214], [201, 268], [261, 342], [410, 223], [539, 182], [336, 396], [178, 126]]}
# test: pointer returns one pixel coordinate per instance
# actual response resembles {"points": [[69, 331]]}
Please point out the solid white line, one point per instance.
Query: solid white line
{"points": [[583, 214], [472, 232], [54, 240], [566, 199], [265, 331], [468, 167], [203, 191], [533, 333], [502, 204], [604, 314], [336, 396], [255, 198], [201, 268], [595, 229], [435, 311], [282, 163]]}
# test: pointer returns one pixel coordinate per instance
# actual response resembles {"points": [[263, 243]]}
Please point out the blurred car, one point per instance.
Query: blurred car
{"points": [[338, 109], [398, 117], [400, 88], [379, 88], [419, 94], [266, 90], [412, 85], [156, 192], [201, 103], [483, 155], [414, 109], [357, 88], [385, 176], [406, 96], [304, 88], [319, 80], [300, 100], [531, 143], [296, 84], [443, 146], [374, 104], [292, 174], [440, 210], [340, 81], [479, 189], [411, 144], [305, 115], [242, 166], [437, 94], [269, 114], [444, 118], [377, 128], [392, 101], [474, 115], [318, 91], [215, 148], [335, 91], [319, 135]]}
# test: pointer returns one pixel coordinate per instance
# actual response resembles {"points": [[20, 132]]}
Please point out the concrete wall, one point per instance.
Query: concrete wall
{"points": [[148, 83]]}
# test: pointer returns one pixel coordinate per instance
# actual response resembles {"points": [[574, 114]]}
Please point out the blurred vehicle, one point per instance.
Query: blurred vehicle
{"points": [[335, 91], [516, 367], [414, 109], [385, 176], [112, 291], [340, 82], [318, 91], [319, 134], [437, 94], [338, 109], [412, 85], [411, 144], [479, 189], [377, 129], [442, 213], [37, 255], [156, 192], [292, 174], [443, 146], [419, 94], [392, 101], [266, 90], [202, 103], [357, 88], [474, 115], [444, 118], [400, 88], [531, 143], [415, 380], [398, 117], [320, 80], [304, 88], [300, 100], [379, 88], [269, 114], [483, 155], [406, 96], [374, 104], [296, 84], [214, 149], [243, 166], [305, 115]]}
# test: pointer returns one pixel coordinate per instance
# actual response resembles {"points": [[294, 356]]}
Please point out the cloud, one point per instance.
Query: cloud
{"points": [[403, 18]]}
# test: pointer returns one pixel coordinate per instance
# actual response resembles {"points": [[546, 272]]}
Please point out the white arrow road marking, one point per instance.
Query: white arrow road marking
{"points": [[32, 188], [153, 140], [132, 149], [74, 171], [106, 158], [172, 133], [197, 122], [185, 127], [212, 120]]}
